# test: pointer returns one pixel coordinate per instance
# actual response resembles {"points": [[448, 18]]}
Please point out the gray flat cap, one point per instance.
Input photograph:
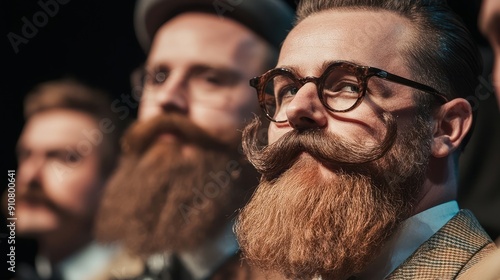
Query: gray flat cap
{"points": [[271, 19]]}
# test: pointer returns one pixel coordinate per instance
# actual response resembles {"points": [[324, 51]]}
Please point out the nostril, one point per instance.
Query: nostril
{"points": [[174, 108], [294, 125], [307, 120], [303, 123]]}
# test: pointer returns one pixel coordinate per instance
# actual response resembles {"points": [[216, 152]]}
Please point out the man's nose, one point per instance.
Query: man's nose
{"points": [[173, 95], [31, 173], [306, 111]]}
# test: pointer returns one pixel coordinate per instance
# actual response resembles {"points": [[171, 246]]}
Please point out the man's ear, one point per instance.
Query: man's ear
{"points": [[452, 121]]}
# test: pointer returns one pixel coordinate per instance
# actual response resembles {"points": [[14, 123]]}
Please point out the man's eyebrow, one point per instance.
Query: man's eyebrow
{"points": [[294, 69], [199, 68], [327, 63], [153, 68], [319, 69], [57, 152]]}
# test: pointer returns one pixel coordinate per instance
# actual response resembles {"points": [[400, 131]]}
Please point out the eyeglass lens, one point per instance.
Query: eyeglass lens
{"points": [[339, 90]]}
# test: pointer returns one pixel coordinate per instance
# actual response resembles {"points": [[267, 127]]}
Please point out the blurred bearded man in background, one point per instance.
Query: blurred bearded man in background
{"points": [[66, 152], [181, 178], [368, 118]]}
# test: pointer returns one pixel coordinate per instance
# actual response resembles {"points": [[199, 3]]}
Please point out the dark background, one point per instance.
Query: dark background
{"points": [[92, 40]]}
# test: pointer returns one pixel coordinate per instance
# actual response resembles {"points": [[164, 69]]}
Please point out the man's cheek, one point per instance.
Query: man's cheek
{"points": [[274, 133]]}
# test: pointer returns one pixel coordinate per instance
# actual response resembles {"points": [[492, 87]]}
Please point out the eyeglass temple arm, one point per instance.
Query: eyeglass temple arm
{"points": [[400, 80]]}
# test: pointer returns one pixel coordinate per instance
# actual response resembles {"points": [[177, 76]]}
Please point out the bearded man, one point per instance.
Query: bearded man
{"points": [[182, 177], [368, 117], [66, 153]]}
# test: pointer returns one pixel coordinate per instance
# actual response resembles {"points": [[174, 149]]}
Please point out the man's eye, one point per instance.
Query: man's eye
{"points": [[214, 79], [287, 92], [73, 157], [349, 88], [155, 78], [342, 87], [64, 156], [160, 77]]}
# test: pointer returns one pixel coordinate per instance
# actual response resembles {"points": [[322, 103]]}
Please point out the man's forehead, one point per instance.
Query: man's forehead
{"points": [[205, 26], [372, 38], [206, 39], [56, 128]]}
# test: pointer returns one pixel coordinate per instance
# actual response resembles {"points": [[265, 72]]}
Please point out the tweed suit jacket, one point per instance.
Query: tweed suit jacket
{"points": [[458, 245]]}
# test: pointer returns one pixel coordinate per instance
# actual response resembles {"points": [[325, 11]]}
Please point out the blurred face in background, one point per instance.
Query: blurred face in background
{"points": [[58, 175], [181, 156], [489, 23], [199, 67]]}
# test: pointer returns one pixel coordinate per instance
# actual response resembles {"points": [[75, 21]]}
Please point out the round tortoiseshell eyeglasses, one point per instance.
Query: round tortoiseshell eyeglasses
{"points": [[341, 87]]}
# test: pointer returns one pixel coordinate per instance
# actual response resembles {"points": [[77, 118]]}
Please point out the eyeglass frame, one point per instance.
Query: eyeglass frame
{"points": [[362, 73]]}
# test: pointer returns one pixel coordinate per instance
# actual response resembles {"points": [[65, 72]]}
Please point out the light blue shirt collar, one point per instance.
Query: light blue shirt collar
{"points": [[203, 261], [82, 265]]}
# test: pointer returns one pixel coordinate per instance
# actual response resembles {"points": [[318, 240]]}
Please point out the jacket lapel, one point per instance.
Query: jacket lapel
{"points": [[459, 244]]}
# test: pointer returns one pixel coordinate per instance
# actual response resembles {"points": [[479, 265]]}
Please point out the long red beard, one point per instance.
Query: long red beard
{"points": [[172, 196], [303, 223]]}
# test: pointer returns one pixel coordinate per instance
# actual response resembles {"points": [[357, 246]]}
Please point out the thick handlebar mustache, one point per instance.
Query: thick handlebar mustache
{"points": [[327, 148]]}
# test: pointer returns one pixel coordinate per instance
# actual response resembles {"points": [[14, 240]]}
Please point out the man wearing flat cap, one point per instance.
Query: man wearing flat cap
{"points": [[173, 199]]}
